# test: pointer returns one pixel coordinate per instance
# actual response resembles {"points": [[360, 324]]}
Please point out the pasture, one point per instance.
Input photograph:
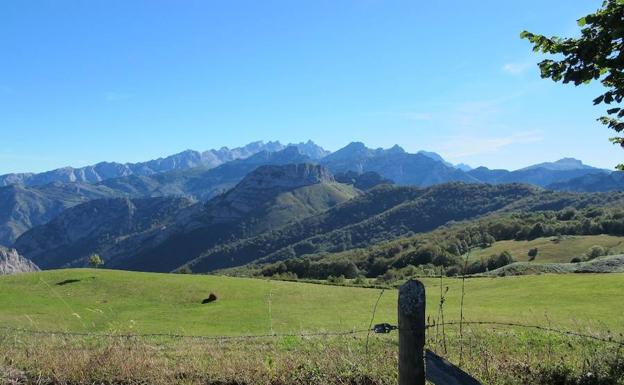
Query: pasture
{"points": [[93, 303], [553, 249]]}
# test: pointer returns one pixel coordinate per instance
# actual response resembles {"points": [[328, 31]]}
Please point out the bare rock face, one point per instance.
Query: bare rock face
{"points": [[11, 262]]}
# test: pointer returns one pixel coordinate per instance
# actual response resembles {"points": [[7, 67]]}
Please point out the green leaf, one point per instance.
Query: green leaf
{"points": [[582, 21]]}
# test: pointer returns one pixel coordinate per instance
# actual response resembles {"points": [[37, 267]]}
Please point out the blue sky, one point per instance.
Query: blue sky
{"points": [[129, 80]]}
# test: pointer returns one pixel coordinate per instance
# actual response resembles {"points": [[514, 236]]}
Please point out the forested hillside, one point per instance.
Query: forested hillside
{"points": [[538, 215]]}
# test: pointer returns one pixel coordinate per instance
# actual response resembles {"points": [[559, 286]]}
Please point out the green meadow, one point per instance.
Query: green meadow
{"points": [[553, 249], [88, 300], [117, 303]]}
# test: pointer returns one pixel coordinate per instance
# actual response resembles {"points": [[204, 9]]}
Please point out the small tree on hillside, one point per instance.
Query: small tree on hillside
{"points": [[532, 254], [184, 270], [95, 261]]}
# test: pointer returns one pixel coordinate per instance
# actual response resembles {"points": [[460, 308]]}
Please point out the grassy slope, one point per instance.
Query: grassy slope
{"points": [[549, 251], [304, 202], [144, 302]]}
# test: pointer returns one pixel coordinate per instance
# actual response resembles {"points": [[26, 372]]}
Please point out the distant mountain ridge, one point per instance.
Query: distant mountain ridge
{"points": [[395, 164], [423, 168], [598, 182], [541, 175], [129, 232], [181, 161], [563, 164], [33, 201], [22, 208]]}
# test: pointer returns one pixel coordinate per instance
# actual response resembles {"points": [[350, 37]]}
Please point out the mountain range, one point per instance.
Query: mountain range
{"points": [[181, 161], [162, 233], [275, 213], [273, 207], [30, 200]]}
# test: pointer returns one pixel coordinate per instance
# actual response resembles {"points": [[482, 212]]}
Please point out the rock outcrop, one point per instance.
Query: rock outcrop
{"points": [[12, 263]]}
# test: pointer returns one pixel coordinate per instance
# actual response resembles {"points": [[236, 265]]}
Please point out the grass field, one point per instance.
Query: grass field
{"points": [[115, 302], [551, 250], [106, 300]]}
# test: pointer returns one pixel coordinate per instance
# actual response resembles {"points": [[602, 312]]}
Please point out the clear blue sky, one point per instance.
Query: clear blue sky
{"points": [[126, 80]]}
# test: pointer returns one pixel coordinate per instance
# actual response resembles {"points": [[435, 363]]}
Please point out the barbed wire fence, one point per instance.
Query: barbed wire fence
{"points": [[383, 328]]}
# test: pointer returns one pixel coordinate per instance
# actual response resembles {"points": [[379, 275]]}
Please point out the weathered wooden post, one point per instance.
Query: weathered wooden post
{"points": [[412, 333]]}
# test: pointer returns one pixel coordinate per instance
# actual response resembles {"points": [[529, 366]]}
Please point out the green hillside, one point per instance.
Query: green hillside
{"points": [[105, 300], [553, 249]]}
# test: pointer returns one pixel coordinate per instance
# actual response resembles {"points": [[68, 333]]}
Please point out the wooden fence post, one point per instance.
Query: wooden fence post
{"points": [[412, 333]]}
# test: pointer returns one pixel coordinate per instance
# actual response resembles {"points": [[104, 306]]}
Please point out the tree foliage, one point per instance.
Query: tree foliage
{"points": [[596, 55], [95, 260]]}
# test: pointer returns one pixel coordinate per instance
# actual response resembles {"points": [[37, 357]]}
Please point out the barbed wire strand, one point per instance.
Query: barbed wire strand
{"points": [[536, 327], [303, 335], [183, 336]]}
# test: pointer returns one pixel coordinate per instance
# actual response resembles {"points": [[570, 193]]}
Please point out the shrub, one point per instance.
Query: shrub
{"points": [[595, 252], [576, 260], [453, 271], [496, 261], [286, 276], [359, 280], [338, 280], [184, 270], [532, 254], [388, 276], [475, 267], [408, 271]]}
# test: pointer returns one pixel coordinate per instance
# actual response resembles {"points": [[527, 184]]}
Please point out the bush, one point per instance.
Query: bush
{"points": [[595, 252], [492, 263], [286, 276], [184, 270], [496, 261], [475, 268], [453, 271], [532, 254], [359, 280], [576, 260], [337, 280], [388, 276]]}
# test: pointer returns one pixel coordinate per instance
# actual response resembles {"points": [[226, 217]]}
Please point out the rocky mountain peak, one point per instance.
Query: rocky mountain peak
{"points": [[288, 175], [396, 149], [11, 262], [264, 183]]}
